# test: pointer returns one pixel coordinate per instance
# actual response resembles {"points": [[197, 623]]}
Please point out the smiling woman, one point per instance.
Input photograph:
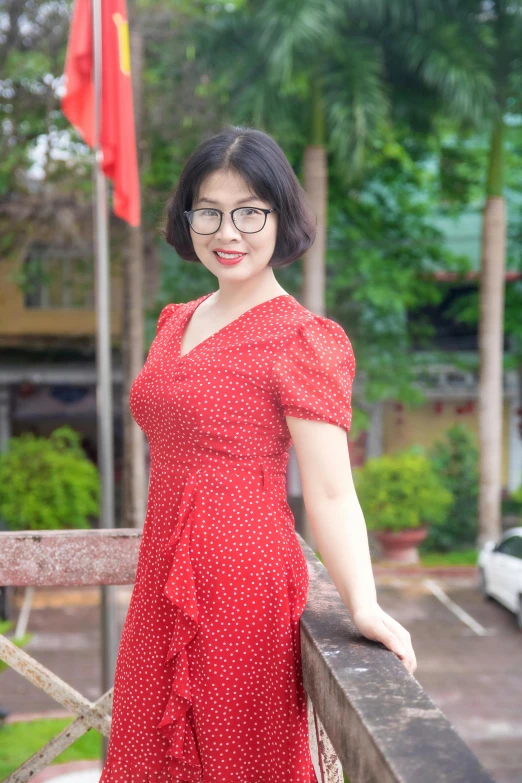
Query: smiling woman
{"points": [[260, 176], [208, 685]]}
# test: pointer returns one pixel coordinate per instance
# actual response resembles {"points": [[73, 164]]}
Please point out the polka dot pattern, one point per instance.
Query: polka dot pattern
{"points": [[208, 685]]}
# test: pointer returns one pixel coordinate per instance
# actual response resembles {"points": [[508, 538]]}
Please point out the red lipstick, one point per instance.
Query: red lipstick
{"points": [[231, 261]]}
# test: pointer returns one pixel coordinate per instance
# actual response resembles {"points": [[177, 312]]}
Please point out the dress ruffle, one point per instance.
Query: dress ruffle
{"points": [[180, 589]]}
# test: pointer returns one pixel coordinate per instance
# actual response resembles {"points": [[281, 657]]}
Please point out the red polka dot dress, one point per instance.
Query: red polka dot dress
{"points": [[208, 685]]}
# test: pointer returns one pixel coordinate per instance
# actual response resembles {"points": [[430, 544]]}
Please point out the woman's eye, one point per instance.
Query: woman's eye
{"points": [[248, 211]]}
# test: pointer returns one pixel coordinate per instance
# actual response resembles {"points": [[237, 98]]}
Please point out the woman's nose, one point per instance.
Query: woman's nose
{"points": [[227, 227]]}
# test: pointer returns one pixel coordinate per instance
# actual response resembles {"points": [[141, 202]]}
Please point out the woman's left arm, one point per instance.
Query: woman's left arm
{"points": [[339, 528]]}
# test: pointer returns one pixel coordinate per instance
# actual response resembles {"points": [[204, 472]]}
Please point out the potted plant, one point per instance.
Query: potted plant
{"points": [[401, 496]]}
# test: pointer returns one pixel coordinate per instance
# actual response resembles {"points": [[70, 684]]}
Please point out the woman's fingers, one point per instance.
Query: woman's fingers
{"points": [[406, 654], [380, 627]]}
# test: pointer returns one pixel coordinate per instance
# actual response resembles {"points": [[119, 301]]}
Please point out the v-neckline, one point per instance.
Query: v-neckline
{"points": [[223, 328]]}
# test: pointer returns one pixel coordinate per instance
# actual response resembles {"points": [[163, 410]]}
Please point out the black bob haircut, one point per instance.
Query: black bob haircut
{"points": [[255, 156]]}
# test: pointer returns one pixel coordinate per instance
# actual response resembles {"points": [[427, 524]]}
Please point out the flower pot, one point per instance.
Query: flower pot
{"points": [[400, 546]]}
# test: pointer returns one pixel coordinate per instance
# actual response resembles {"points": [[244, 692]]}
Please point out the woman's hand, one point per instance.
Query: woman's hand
{"points": [[375, 624]]}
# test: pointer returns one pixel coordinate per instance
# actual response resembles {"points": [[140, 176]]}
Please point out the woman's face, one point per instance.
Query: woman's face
{"points": [[226, 190]]}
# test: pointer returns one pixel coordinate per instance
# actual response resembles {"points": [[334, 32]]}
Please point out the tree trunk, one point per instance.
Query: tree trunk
{"points": [[132, 340], [491, 330], [315, 182]]}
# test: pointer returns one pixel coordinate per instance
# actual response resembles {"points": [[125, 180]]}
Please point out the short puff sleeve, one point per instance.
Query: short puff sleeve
{"points": [[313, 376], [165, 315]]}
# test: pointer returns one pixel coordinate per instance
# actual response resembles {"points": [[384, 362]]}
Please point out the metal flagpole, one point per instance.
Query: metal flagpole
{"points": [[103, 362]]}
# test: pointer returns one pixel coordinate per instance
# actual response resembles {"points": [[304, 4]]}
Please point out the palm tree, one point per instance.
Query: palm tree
{"points": [[490, 33], [504, 21], [318, 74], [282, 66]]}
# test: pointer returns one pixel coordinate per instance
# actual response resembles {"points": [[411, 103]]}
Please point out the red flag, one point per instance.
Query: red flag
{"points": [[117, 132]]}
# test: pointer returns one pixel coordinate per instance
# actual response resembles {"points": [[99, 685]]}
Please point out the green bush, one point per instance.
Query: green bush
{"points": [[47, 483], [401, 490], [455, 460], [516, 498]]}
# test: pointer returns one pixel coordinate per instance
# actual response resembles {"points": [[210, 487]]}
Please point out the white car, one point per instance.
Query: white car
{"points": [[500, 569]]}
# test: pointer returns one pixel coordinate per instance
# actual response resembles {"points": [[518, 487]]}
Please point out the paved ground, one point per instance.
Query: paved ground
{"points": [[476, 680], [469, 655], [72, 772], [65, 628]]}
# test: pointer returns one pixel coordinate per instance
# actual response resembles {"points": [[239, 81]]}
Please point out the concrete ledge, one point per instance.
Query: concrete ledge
{"points": [[382, 724], [69, 557]]}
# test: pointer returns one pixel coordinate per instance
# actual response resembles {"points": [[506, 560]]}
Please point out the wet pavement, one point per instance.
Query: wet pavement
{"points": [[469, 656]]}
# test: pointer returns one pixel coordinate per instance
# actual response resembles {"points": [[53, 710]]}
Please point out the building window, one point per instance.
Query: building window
{"points": [[58, 278]]}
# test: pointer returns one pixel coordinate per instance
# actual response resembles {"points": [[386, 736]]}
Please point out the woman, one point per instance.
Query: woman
{"points": [[208, 683]]}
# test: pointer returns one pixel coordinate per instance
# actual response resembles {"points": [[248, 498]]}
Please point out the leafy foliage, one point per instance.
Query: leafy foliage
{"points": [[265, 61], [385, 74], [33, 38], [47, 483], [455, 459], [382, 255], [517, 497], [401, 490]]}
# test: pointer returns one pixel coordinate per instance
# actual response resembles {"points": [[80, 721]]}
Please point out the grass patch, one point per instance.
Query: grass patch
{"points": [[464, 557], [18, 741]]}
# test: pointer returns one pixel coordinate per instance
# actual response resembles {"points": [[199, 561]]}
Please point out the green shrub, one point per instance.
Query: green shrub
{"points": [[516, 498], [401, 490], [47, 483], [455, 460]]}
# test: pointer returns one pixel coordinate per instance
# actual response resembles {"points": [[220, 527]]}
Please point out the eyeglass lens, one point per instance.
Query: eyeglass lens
{"points": [[247, 219]]}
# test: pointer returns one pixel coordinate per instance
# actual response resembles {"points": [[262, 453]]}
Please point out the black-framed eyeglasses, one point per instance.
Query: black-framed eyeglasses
{"points": [[247, 220]]}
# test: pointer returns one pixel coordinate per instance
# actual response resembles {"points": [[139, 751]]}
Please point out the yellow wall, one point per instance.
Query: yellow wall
{"points": [[422, 426], [17, 323]]}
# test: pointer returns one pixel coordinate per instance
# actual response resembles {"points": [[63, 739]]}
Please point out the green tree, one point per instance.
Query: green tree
{"points": [[455, 460], [504, 26], [317, 75], [383, 253]]}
